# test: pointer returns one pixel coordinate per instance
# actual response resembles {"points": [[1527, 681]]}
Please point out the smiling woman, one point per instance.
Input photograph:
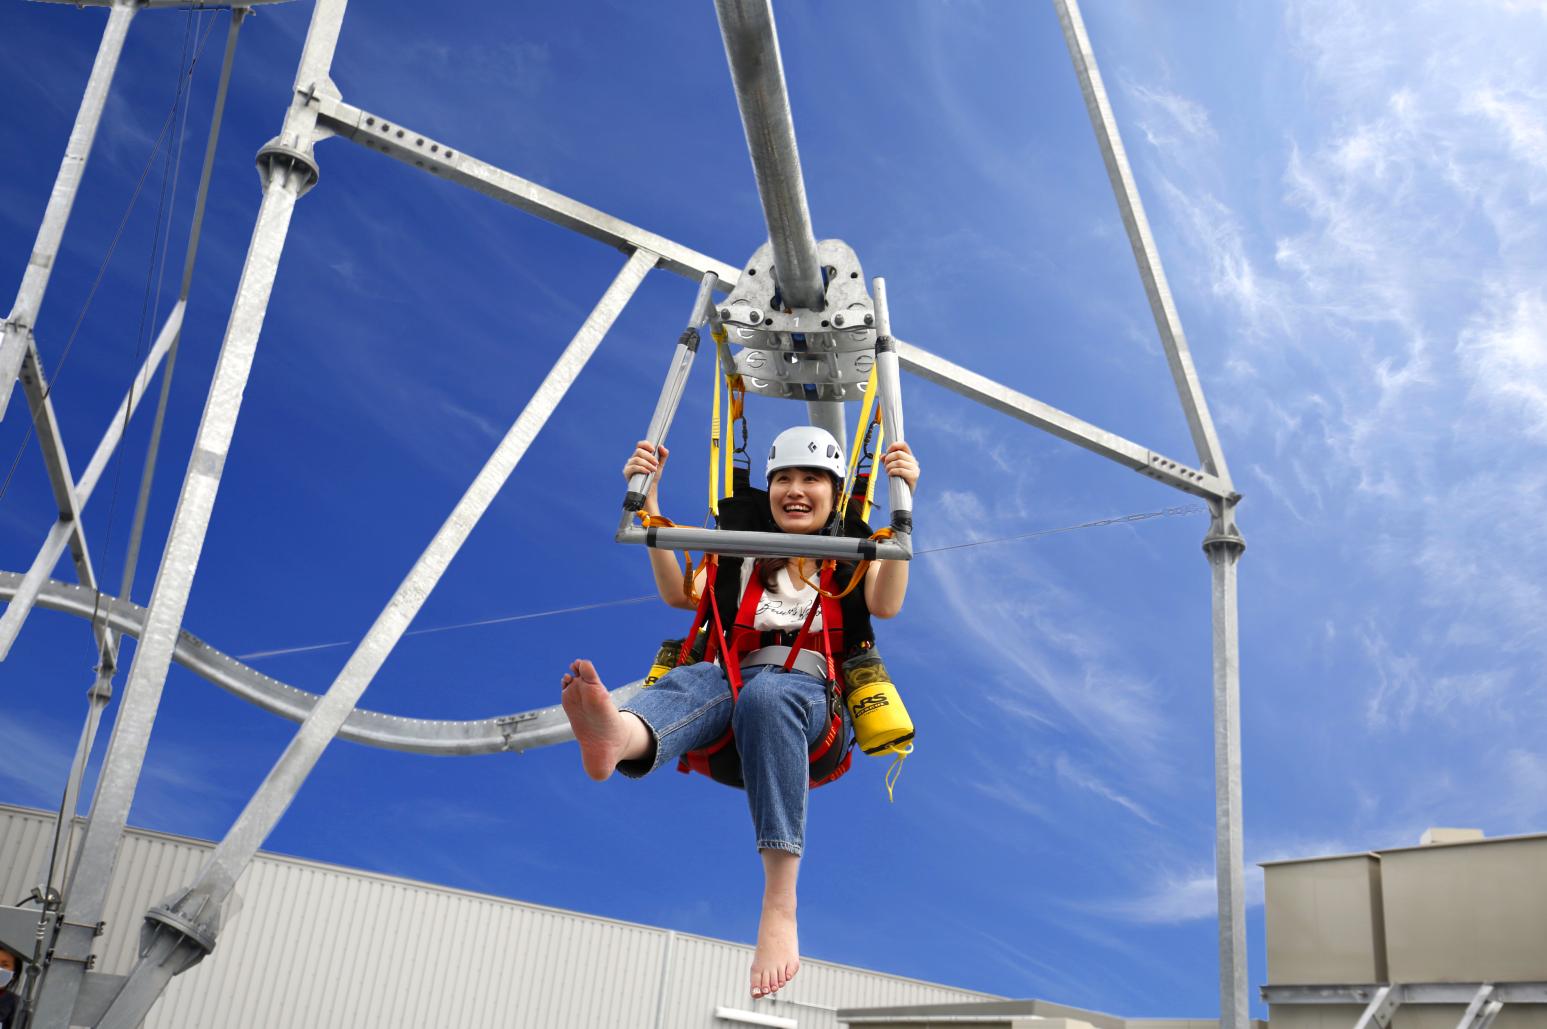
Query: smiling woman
{"points": [[768, 714]]}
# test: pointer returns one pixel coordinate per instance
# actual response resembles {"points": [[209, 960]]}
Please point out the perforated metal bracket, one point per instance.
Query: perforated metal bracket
{"points": [[1377, 1014], [755, 315]]}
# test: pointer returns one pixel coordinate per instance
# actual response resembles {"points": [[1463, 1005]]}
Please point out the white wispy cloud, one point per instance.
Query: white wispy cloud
{"points": [[1168, 118], [1043, 642], [1504, 354], [1075, 775]]}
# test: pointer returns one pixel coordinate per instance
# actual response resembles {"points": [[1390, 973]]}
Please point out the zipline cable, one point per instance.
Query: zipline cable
{"points": [[1142, 516]]}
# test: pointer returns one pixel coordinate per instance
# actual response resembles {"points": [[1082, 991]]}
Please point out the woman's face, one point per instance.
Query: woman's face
{"points": [[7, 964], [801, 498]]}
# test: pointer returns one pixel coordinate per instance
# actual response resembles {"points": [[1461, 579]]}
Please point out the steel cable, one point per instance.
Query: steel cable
{"points": [[1142, 516]]}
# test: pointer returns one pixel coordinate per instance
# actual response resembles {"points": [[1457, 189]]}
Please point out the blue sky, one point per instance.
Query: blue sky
{"points": [[1348, 200]]}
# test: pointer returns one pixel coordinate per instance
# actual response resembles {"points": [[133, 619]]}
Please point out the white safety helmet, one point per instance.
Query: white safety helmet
{"points": [[806, 446]]}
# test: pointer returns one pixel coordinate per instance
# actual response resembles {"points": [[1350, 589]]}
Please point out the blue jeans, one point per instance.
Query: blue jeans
{"points": [[777, 717]]}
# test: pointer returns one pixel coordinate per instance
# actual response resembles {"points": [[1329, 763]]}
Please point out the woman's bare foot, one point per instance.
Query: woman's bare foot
{"points": [[778, 952], [606, 736]]}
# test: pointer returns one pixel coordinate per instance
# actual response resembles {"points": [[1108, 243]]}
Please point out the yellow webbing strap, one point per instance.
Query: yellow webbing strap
{"points": [[735, 395], [714, 443], [857, 450], [870, 483], [736, 391]]}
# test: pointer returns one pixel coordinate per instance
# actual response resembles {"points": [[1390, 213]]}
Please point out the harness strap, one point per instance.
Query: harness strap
{"points": [[806, 661], [861, 430], [690, 572], [714, 442], [870, 481], [883, 533]]}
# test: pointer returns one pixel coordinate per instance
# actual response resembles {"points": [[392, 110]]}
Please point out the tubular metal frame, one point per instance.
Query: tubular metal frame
{"points": [[182, 930]]}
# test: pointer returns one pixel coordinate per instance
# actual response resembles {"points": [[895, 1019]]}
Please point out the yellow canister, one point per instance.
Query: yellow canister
{"points": [[881, 723], [665, 660]]}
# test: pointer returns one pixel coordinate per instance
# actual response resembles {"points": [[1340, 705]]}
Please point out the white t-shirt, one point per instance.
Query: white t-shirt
{"points": [[783, 609]]}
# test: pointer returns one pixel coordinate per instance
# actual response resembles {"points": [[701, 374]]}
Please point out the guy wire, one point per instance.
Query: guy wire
{"points": [[1142, 516]]}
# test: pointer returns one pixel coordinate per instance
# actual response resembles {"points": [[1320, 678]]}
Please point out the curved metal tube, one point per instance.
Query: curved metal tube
{"points": [[525, 730]]}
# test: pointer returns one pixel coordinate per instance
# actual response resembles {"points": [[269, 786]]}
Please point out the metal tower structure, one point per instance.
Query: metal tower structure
{"points": [[183, 929]]}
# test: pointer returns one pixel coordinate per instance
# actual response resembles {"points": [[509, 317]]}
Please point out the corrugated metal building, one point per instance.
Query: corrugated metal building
{"points": [[317, 946]]}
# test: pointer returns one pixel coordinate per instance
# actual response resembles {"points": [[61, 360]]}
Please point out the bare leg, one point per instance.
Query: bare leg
{"points": [[605, 734], [778, 952]]}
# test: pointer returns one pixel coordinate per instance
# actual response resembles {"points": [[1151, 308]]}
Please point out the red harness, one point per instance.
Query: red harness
{"points": [[829, 757]]}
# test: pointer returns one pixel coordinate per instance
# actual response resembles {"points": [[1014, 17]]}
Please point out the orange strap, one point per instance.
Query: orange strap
{"points": [[854, 580], [650, 521]]}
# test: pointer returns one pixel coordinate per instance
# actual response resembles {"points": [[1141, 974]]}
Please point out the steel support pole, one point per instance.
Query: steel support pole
{"points": [[181, 933], [1223, 544], [1224, 547], [1169, 324], [288, 171], [16, 333], [757, 73], [96, 700]]}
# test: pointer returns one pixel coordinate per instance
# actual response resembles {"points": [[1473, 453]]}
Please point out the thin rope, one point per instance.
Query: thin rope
{"points": [[1168, 512], [155, 276]]}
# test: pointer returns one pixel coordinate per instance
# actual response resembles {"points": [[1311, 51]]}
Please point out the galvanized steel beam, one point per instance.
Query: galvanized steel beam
{"points": [[16, 332], [67, 529], [57, 463], [421, 151], [1223, 543], [1051, 420], [757, 74], [1519, 991], [1184, 375], [418, 150], [287, 170], [182, 931], [1224, 547]]}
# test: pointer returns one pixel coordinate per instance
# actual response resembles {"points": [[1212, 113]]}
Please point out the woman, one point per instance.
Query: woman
{"points": [[777, 715], [9, 967]]}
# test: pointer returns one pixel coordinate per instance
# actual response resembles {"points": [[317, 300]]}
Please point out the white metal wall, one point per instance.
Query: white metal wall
{"points": [[321, 947]]}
